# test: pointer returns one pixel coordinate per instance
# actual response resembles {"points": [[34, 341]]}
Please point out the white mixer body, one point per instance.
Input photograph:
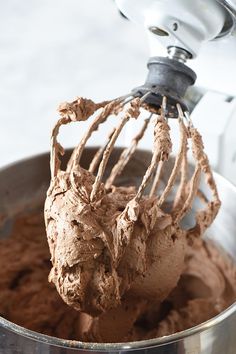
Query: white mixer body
{"points": [[198, 22], [180, 23], [203, 28]]}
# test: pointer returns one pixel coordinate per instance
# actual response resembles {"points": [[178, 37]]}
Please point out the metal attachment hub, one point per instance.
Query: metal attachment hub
{"points": [[166, 77]]}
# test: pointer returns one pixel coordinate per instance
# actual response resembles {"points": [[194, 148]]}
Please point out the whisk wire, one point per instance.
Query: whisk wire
{"points": [[127, 154], [97, 157], [187, 189], [107, 153]]}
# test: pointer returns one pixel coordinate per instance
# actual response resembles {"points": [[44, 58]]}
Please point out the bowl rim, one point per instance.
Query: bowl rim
{"points": [[104, 347]]}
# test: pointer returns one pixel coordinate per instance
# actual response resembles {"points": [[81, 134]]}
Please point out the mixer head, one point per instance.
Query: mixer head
{"points": [[182, 27]]}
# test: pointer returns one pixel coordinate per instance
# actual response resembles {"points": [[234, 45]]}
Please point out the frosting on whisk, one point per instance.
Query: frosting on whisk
{"points": [[110, 243]]}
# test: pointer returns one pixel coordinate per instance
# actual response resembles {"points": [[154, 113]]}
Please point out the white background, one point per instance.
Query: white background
{"points": [[55, 50]]}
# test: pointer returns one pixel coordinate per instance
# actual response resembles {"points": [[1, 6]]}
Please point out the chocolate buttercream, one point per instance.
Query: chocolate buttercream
{"points": [[109, 244], [206, 287], [120, 255]]}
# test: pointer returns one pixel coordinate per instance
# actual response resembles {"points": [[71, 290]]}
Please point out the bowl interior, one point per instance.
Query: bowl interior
{"points": [[23, 187]]}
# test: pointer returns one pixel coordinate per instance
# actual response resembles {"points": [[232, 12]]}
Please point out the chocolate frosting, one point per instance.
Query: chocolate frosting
{"points": [[109, 244], [121, 257], [206, 287]]}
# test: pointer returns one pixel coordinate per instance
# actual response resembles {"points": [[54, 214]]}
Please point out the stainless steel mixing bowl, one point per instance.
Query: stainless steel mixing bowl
{"points": [[24, 184]]}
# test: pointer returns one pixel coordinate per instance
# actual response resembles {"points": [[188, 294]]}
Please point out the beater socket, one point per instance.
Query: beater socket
{"points": [[166, 77]]}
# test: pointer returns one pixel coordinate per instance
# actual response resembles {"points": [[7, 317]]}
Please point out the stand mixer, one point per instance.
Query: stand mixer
{"points": [[197, 25], [200, 34]]}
